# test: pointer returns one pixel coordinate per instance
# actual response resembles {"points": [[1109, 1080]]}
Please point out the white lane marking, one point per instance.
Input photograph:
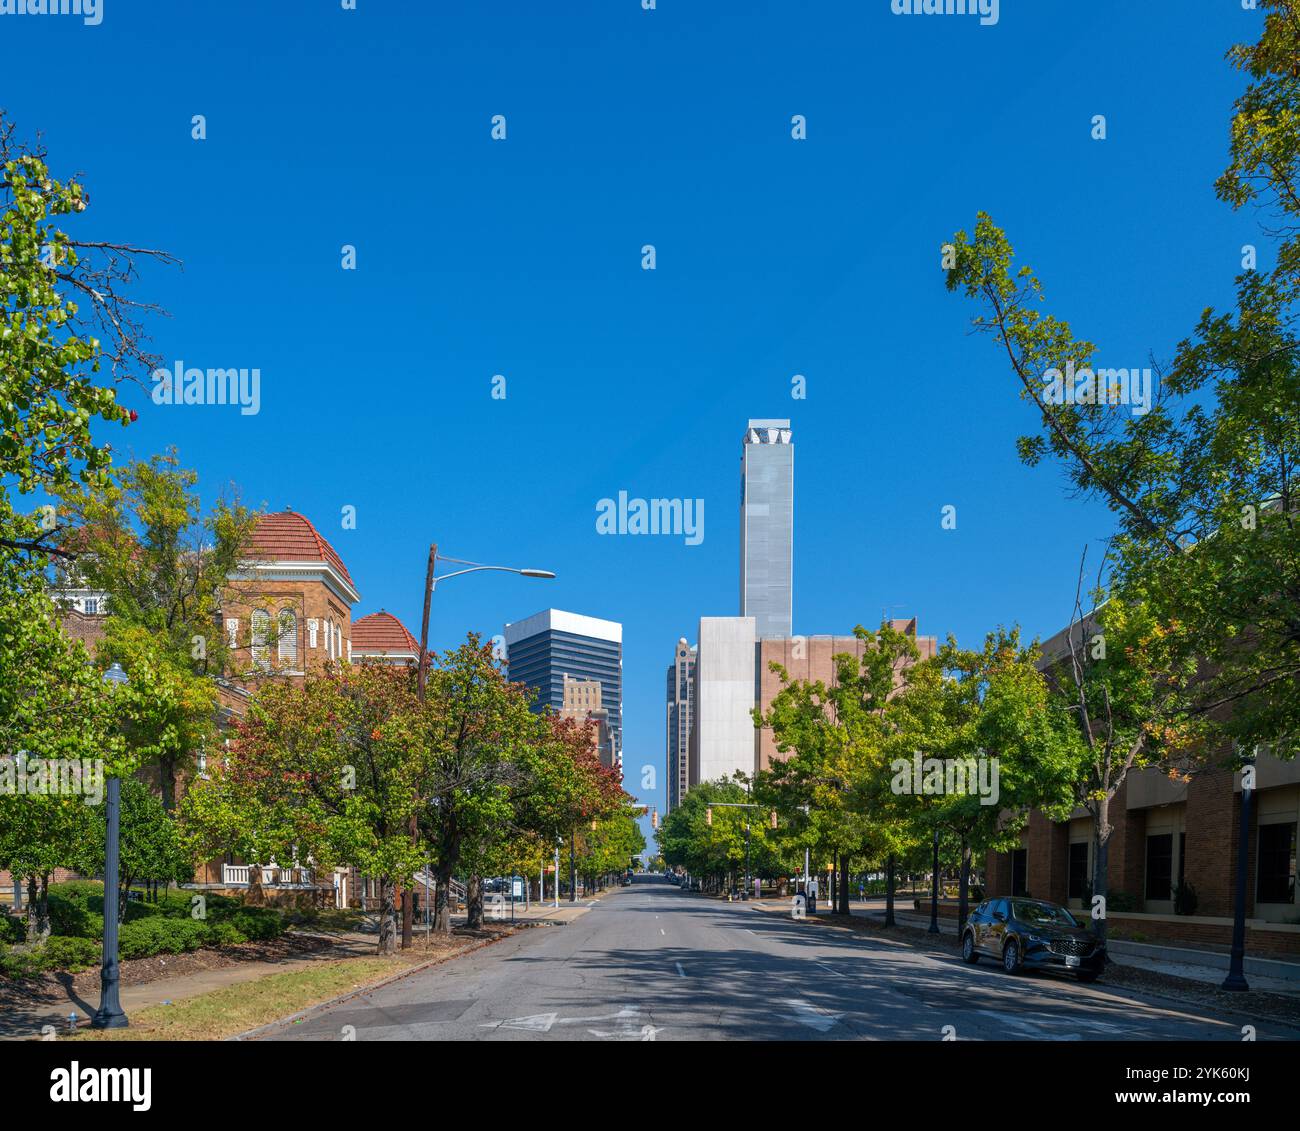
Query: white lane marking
{"points": [[645, 1033], [622, 1015], [535, 1023], [808, 1014], [662, 931], [680, 970]]}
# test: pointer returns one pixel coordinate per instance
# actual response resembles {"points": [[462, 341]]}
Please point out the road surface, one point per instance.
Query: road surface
{"points": [[651, 962]]}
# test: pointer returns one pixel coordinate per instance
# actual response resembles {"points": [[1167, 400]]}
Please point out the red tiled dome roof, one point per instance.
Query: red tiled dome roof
{"points": [[382, 632], [287, 536]]}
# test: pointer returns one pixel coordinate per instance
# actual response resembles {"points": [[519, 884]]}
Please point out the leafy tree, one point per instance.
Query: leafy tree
{"points": [[68, 333], [475, 732], [52, 706], [979, 712], [1122, 684], [837, 737], [330, 771], [142, 538], [150, 846], [1204, 485]]}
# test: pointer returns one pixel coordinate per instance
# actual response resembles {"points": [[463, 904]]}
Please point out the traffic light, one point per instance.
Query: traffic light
{"points": [[708, 817]]}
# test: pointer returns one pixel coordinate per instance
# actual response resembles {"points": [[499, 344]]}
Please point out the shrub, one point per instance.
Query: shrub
{"points": [[56, 953], [1120, 901], [60, 953], [158, 935], [11, 929], [77, 909], [258, 922], [225, 934]]}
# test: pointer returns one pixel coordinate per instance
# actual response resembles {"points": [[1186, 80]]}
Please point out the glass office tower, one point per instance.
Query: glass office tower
{"points": [[544, 648]]}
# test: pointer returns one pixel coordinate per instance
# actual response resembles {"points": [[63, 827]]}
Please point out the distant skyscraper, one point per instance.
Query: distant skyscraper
{"points": [[767, 526], [680, 716], [553, 647]]}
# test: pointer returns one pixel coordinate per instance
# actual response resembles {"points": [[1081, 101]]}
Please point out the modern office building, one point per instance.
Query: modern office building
{"points": [[553, 648], [679, 717], [767, 526]]}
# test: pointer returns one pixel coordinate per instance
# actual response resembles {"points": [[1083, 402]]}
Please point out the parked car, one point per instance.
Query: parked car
{"points": [[1030, 934]]}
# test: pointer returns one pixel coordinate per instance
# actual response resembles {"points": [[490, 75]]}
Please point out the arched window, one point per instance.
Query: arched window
{"points": [[261, 622], [287, 648]]}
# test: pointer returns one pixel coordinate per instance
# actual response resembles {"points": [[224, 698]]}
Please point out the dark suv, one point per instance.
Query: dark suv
{"points": [[1032, 933]]}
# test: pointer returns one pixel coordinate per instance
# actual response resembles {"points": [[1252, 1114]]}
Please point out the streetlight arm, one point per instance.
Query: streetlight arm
{"points": [[502, 569]]}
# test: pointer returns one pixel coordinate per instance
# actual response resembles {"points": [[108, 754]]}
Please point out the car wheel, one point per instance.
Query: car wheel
{"points": [[968, 949], [1087, 975], [1011, 957]]}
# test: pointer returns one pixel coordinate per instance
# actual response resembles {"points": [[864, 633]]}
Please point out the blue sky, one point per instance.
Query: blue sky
{"points": [[523, 258]]}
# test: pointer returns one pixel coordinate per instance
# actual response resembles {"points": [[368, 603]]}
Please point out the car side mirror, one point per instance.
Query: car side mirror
{"points": [[1000, 916]]}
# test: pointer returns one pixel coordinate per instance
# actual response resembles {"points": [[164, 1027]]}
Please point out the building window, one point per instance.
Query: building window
{"points": [[1020, 872], [1182, 857], [1160, 866], [287, 645], [1277, 864], [92, 606], [261, 622], [1078, 869]]}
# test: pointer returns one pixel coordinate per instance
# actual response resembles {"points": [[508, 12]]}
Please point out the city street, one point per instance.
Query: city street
{"points": [[651, 962]]}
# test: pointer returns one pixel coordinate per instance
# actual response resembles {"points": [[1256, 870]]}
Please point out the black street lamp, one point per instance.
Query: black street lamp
{"points": [[934, 888], [1236, 979], [110, 1014]]}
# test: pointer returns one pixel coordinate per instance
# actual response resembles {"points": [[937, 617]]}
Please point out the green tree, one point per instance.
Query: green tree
{"points": [[143, 538], [53, 709], [1204, 485], [70, 332]]}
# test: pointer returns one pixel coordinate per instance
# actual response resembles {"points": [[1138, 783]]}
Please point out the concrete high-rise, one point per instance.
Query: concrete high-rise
{"points": [[680, 717], [767, 527], [554, 647]]}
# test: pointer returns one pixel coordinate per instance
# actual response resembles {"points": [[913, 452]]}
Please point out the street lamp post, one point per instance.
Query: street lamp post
{"points": [[110, 1014], [1236, 979], [934, 888], [430, 584]]}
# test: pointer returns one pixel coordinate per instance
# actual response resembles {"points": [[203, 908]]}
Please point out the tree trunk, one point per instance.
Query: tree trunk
{"points": [[38, 907], [442, 901], [387, 916], [123, 894], [474, 902], [890, 877], [167, 784], [1101, 830], [963, 885]]}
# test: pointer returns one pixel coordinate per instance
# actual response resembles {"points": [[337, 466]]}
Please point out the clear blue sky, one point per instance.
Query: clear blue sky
{"points": [[672, 127]]}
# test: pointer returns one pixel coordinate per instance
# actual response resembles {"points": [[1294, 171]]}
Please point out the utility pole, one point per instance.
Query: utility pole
{"points": [[408, 897]]}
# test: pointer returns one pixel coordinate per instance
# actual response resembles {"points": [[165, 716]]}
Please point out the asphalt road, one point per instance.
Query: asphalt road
{"points": [[650, 962]]}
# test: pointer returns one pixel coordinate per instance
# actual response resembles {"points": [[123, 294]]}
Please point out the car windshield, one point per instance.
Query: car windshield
{"points": [[1043, 914]]}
